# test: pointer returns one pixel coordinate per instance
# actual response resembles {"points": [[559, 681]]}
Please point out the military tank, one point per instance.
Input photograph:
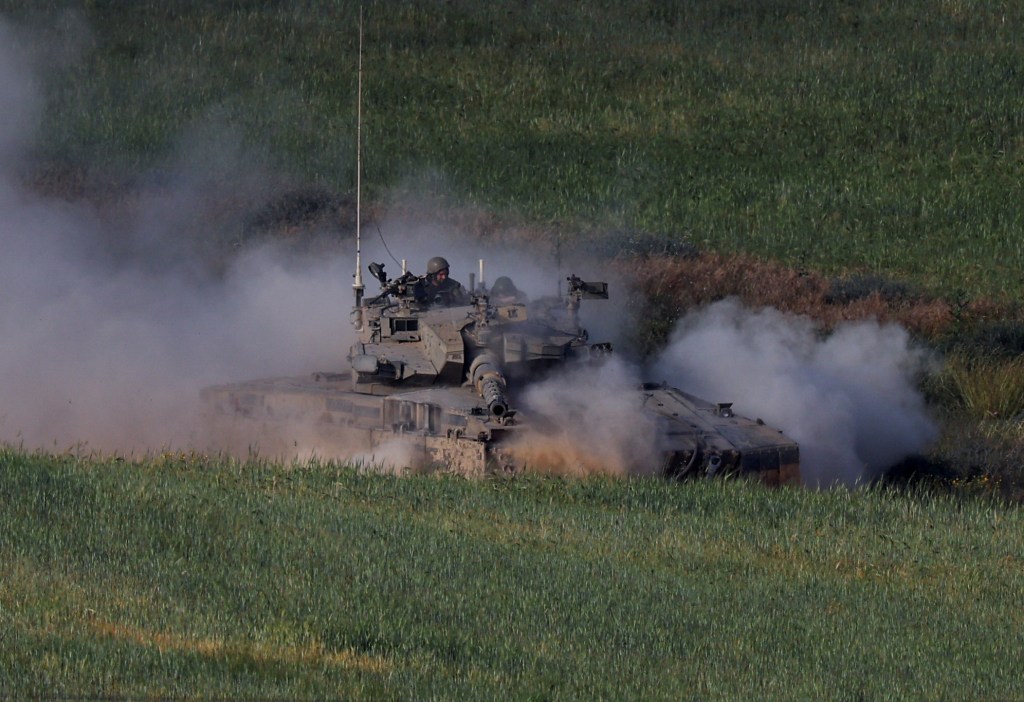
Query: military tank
{"points": [[432, 383]]}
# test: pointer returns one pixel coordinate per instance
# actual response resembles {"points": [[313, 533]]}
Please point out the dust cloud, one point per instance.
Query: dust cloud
{"points": [[849, 399], [589, 420], [110, 320], [112, 317]]}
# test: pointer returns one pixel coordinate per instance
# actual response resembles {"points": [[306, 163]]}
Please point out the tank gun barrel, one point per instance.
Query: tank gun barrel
{"points": [[492, 390], [486, 376]]}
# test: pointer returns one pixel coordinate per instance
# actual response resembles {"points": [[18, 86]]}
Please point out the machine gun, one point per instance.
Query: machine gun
{"points": [[398, 287]]}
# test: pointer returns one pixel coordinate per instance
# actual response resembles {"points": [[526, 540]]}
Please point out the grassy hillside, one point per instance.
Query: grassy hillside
{"points": [[845, 137], [186, 576], [879, 141]]}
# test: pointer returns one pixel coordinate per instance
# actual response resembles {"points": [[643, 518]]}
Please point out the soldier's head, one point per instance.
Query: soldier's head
{"points": [[504, 290], [437, 268]]}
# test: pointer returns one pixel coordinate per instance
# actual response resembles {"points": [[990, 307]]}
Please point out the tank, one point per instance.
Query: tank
{"points": [[433, 386]]}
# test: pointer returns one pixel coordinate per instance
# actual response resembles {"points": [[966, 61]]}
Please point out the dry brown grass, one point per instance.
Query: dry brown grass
{"points": [[694, 281], [313, 653]]}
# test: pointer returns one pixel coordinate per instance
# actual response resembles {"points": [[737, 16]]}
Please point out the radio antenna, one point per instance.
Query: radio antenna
{"points": [[357, 284]]}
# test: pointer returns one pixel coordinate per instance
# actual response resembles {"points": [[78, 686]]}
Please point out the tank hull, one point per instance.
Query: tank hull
{"points": [[450, 429], [700, 438], [321, 415]]}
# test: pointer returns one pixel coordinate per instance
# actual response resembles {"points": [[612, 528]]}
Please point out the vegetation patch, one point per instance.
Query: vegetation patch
{"points": [[843, 161], [675, 285], [851, 140], [188, 575]]}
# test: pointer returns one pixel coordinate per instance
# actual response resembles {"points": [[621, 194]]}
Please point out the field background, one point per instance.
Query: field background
{"points": [[881, 138], [871, 150], [189, 577]]}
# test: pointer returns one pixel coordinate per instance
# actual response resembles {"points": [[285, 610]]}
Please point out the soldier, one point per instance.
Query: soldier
{"points": [[504, 292], [438, 288]]}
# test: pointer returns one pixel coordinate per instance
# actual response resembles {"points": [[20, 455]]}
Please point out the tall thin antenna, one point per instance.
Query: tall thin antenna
{"points": [[357, 284]]}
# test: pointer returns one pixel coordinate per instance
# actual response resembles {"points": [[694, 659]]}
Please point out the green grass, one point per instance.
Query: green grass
{"points": [[984, 387], [847, 137], [881, 141], [187, 576]]}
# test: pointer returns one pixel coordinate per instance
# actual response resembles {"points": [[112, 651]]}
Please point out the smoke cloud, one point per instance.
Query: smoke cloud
{"points": [[848, 399], [111, 322]]}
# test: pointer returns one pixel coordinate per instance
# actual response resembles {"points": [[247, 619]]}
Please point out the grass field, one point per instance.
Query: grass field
{"points": [[185, 576], [843, 137], [872, 151]]}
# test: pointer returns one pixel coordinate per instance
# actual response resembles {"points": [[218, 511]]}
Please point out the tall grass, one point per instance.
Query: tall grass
{"points": [[875, 137], [186, 576], [986, 387]]}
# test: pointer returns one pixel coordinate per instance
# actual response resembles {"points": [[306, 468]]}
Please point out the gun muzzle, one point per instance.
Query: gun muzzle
{"points": [[490, 384], [492, 390]]}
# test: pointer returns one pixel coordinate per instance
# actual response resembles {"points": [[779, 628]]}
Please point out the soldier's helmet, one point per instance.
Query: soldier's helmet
{"points": [[504, 287], [436, 265]]}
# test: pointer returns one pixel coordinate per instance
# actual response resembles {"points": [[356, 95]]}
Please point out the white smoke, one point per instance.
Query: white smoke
{"points": [[109, 324], [849, 399], [114, 356]]}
